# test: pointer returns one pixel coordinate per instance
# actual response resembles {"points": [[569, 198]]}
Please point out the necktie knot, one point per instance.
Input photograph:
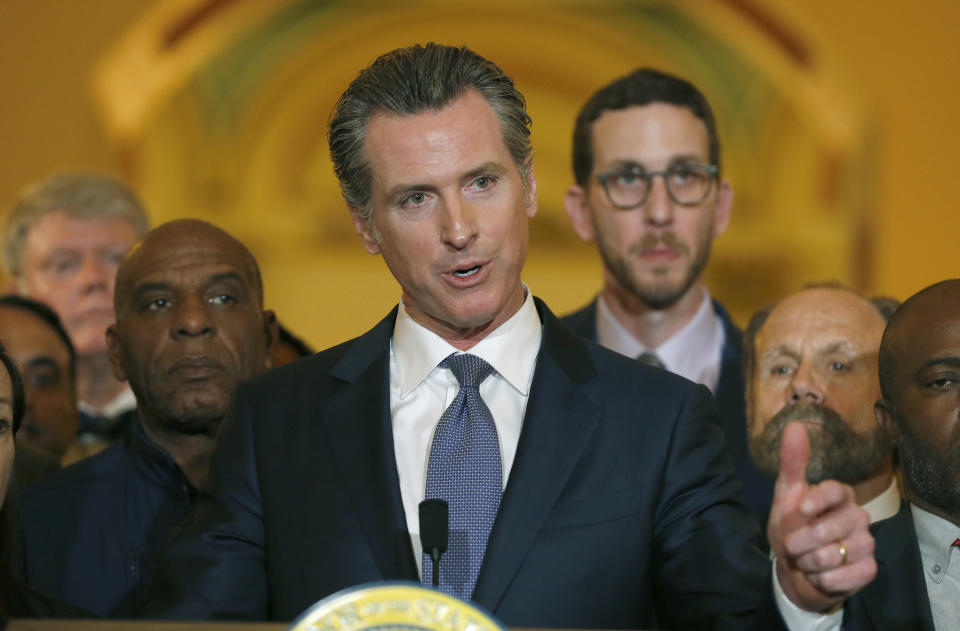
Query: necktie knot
{"points": [[650, 359], [469, 370]]}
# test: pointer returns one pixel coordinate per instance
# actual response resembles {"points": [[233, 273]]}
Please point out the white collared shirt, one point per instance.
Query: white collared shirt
{"points": [[420, 391], [885, 505], [693, 352], [123, 402], [941, 566]]}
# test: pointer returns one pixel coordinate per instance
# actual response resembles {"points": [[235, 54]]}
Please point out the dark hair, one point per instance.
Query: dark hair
{"points": [[284, 336], [410, 81], [884, 305], [18, 399], [641, 87], [50, 317], [10, 600]]}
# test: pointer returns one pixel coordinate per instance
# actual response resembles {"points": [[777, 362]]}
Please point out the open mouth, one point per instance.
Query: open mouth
{"points": [[464, 273]]}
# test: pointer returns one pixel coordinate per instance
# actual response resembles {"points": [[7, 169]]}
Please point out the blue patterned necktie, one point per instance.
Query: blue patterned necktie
{"points": [[464, 469]]}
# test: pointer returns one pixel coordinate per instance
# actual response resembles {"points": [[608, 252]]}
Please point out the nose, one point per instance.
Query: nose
{"points": [[459, 227], [94, 275], [658, 209], [805, 387], [193, 319]]}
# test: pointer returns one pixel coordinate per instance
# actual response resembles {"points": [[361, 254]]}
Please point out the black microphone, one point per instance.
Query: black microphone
{"points": [[434, 517]]}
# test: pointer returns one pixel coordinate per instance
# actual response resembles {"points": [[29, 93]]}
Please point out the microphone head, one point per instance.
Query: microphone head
{"points": [[434, 518]]}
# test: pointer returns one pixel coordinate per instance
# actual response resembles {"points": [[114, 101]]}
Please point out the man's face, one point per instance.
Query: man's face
{"points": [[50, 422], [189, 325], [6, 431], [655, 252], [816, 362], [452, 215], [927, 402], [70, 263]]}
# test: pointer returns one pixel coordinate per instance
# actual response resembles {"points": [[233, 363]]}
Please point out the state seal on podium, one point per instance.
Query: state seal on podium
{"points": [[394, 606]]}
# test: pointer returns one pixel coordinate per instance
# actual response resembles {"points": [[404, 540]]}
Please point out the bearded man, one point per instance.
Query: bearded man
{"points": [[812, 357]]}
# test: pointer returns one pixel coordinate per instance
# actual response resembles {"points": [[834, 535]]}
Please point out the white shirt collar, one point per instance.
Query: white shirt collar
{"points": [[885, 505], [121, 403], [692, 352], [511, 348]]}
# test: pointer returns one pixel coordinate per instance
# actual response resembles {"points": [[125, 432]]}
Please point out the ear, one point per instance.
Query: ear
{"points": [[886, 418], [531, 193], [115, 352], [723, 205], [364, 228], [578, 209], [271, 334]]}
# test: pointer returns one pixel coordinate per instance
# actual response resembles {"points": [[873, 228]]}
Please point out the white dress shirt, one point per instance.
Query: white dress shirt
{"points": [[885, 505], [941, 566], [420, 391], [693, 352]]}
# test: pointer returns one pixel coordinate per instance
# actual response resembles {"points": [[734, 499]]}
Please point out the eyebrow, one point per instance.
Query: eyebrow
{"points": [[951, 361], [780, 349], [227, 276], [674, 161], [42, 362], [494, 168], [842, 345]]}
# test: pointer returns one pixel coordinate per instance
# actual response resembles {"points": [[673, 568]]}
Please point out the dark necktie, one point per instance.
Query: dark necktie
{"points": [[464, 469], [650, 359]]}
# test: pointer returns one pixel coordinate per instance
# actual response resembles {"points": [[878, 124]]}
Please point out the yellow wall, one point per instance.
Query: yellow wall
{"points": [[900, 58]]}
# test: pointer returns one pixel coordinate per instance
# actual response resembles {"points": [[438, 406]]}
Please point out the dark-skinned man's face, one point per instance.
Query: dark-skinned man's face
{"points": [[925, 413], [43, 359], [190, 326]]}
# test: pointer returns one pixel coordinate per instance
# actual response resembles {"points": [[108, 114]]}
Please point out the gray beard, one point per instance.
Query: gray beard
{"points": [[836, 451]]}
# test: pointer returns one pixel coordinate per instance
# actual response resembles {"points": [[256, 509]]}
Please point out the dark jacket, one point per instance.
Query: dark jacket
{"points": [[92, 531], [731, 403], [897, 599], [621, 509]]}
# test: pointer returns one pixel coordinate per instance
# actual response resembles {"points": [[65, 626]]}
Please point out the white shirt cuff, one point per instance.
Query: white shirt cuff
{"points": [[798, 619]]}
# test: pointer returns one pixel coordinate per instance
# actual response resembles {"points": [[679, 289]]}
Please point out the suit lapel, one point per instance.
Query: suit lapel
{"points": [[897, 598], [559, 422], [358, 422]]}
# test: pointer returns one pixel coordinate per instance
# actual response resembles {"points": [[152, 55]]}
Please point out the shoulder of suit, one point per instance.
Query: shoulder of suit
{"points": [[102, 471]]}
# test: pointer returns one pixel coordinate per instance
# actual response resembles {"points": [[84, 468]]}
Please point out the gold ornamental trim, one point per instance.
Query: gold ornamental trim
{"points": [[394, 606]]}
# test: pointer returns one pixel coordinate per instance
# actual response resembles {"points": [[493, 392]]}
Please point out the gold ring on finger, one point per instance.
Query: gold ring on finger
{"points": [[843, 552]]}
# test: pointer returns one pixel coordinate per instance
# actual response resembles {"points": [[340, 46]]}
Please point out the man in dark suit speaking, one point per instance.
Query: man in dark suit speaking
{"points": [[584, 490]]}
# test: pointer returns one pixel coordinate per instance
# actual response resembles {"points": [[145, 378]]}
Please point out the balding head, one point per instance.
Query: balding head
{"points": [[189, 324], [185, 234], [925, 313], [813, 357]]}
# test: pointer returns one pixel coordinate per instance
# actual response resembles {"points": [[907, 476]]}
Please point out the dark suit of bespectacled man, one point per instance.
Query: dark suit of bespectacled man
{"points": [[619, 506]]}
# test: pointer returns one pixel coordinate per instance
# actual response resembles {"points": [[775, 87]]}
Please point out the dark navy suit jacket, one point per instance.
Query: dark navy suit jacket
{"points": [[92, 531], [897, 598], [757, 487], [621, 510]]}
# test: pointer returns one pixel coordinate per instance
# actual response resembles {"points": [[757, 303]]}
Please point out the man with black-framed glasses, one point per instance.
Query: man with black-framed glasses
{"points": [[649, 191]]}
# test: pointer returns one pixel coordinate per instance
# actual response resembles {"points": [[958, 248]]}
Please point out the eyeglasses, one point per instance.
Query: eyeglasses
{"points": [[687, 184]]}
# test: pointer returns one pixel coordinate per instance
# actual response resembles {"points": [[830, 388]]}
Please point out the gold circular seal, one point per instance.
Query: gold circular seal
{"points": [[394, 606]]}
